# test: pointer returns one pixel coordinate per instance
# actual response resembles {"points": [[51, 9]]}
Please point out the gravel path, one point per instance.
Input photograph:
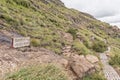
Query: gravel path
{"points": [[108, 70]]}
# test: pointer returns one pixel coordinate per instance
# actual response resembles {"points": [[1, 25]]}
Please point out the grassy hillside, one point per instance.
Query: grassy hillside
{"points": [[43, 72], [46, 22]]}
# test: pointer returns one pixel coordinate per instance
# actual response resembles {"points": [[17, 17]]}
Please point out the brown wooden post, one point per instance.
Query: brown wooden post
{"points": [[12, 43]]}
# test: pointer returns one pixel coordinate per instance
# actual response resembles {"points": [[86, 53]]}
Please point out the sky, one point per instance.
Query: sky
{"points": [[104, 10]]}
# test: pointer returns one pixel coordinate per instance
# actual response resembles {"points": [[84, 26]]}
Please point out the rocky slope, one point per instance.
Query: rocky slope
{"points": [[75, 66], [60, 35]]}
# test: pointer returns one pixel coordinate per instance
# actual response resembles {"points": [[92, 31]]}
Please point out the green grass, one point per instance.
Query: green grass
{"points": [[115, 56], [114, 51], [115, 60], [47, 22], [73, 32], [99, 46], [80, 48], [24, 3], [95, 76], [42, 72]]}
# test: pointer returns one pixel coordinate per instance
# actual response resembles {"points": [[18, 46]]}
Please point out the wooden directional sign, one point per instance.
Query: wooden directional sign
{"points": [[20, 42]]}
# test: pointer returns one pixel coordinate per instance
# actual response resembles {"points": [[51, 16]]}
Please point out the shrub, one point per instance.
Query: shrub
{"points": [[35, 42], [87, 43], [55, 47], [24, 3], [73, 32], [57, 50], [95, 76], [43, 72], [114, 50], [80, 48], [115, 60], [9, 1], [99, 46], [7, 18]]}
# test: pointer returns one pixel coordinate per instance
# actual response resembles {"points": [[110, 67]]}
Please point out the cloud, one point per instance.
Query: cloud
{"points": [[104, 13], [111, 19], [105, 10]]}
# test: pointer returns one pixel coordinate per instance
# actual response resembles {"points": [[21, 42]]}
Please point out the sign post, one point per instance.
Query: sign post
{"points": [[18, 42]]}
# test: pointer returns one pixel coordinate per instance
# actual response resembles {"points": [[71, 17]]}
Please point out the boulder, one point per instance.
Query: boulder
{"points": [[77, 69], [63, 62], [81, 66], [92, 58], [68, 37], [67, 54]]}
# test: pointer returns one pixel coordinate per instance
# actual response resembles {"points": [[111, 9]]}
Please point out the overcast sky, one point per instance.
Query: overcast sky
{"points": [[105, 10]]}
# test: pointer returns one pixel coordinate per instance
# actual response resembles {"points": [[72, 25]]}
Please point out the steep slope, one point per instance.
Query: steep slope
{"points": [[46, 21], [66, 32]]}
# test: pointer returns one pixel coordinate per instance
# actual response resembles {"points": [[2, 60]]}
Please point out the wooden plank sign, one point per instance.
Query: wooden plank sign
{"points": [[18, 42]]}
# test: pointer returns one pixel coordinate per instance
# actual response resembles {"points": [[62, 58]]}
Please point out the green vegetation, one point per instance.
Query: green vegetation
{"points": [[7, 18], [114, 51], [45, 22], [115, 60], [35, 42], [99, 46], [115, 56], [73, 32], [24, 3], [95, 76], [43, 72], [80, 48]]}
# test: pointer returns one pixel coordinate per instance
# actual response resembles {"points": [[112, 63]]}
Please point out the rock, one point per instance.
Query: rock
{"points": [[108, 55], [67, 54], [66, 51], [81, 66], [77, 69], [64, 62], [75, 65], [68, 37], [13, 59], [92, 58]]}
